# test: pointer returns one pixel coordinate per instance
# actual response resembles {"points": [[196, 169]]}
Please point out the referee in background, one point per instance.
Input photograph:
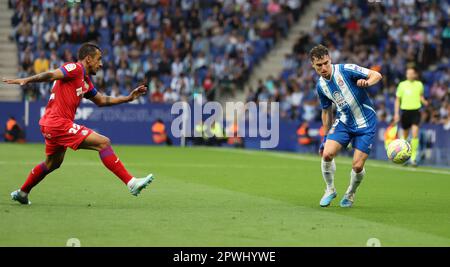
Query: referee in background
{"points": [[409, 100]]}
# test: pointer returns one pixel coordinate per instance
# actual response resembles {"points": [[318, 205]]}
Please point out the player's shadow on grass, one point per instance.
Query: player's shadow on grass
{"points": [[104, 206], [7, 204]]}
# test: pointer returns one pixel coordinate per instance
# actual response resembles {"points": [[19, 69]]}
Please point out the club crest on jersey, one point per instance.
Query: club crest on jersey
{"points": [[339, 98], [340, 82]]}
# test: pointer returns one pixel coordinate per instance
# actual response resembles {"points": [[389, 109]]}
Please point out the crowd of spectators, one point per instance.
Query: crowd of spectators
{"points": [[386, 37], [181, 48], [185, 48]]}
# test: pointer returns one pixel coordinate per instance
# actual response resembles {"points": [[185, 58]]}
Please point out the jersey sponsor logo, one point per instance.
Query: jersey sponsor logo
{"points": [[361, 70], [357, 68], [339, 98], [70, 67]]}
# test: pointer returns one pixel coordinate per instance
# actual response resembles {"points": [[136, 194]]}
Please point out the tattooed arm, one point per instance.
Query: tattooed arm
{"points": [[47, 76], [104, 101]]}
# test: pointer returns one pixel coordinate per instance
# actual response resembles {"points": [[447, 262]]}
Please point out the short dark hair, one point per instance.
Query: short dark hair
{"points": [[412, 67], [318, 51], [87, 49]]}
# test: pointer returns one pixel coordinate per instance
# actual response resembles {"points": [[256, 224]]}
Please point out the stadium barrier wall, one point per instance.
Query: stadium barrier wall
{"points": [[131, 124]]}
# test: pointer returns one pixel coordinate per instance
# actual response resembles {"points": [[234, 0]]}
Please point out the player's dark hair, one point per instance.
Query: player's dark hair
{"points": [[318, 52], [412, 67], [87, 49]]}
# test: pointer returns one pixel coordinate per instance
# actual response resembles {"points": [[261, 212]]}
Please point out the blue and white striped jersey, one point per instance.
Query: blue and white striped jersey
{"points": [[353, 105]]}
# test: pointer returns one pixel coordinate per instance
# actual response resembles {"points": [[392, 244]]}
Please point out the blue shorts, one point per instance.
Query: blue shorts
{"points": [[361, 139]]}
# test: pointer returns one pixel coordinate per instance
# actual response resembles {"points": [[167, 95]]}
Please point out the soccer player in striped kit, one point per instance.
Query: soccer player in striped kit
{"points": [[343, 85]]}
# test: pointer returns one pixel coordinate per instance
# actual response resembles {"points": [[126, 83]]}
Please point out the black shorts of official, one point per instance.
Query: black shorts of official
{"points": [[410, 117]]}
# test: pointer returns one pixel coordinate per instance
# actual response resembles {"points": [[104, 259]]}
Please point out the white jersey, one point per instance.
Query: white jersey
{"points": [[353, 104]]}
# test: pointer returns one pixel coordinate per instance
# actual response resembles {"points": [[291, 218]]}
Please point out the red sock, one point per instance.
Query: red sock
{"points": [[112, 162], [36, 175]]}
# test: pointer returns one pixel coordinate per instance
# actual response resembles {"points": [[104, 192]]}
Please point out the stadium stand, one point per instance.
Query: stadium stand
{"points": [[8, 53], [179, 48], [384, 37]]}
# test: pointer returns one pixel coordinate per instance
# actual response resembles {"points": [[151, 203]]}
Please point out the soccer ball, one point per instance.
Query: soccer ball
{"points": [[399, 151]]}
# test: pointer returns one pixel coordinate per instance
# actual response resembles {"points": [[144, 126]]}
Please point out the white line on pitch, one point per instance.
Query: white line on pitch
{"points": [[348, 161]]}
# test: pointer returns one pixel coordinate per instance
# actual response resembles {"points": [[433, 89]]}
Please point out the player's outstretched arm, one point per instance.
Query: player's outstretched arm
{"points": [[104, 101], [48, 76], [372, 78]]}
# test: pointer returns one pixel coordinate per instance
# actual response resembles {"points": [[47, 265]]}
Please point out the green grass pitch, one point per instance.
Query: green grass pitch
{"points": [[219, 197]]}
